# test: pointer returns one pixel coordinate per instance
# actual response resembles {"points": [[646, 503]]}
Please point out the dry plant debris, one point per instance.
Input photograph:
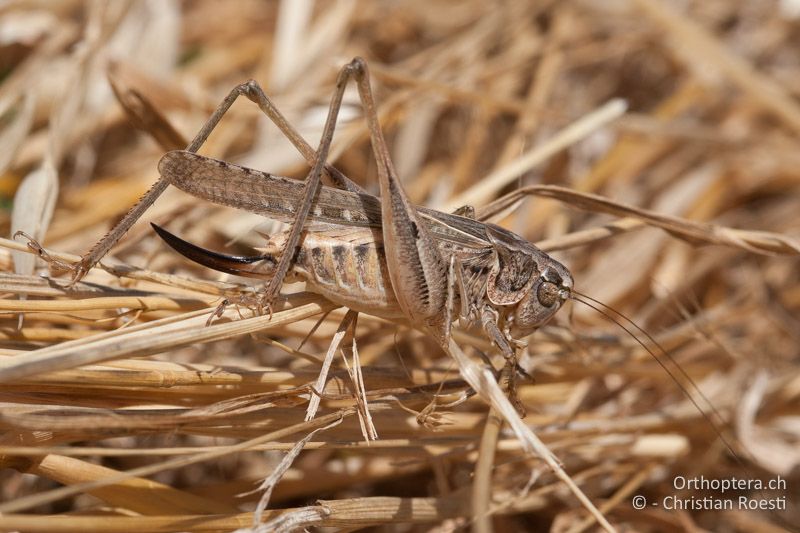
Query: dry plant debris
{"points": [[121, 409]]}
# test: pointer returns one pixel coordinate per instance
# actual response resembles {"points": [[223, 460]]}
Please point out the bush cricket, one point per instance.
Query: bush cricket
{"points": [[382, 256]]}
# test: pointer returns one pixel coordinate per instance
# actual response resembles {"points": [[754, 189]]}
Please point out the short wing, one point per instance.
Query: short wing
{"points": [[277, 197]]}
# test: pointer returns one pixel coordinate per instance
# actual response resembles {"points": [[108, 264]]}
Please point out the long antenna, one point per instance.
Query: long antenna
{"points": [[610, 313]]}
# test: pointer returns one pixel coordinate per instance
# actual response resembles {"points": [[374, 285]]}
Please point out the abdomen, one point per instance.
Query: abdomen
{"points": [[347, 266]]}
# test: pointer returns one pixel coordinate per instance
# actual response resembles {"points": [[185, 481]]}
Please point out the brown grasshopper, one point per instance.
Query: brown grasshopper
{"points": [[502, 281], [381, 256]]}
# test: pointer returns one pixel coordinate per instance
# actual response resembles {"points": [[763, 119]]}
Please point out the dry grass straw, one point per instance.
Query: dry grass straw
{"points": [[123, 410]]}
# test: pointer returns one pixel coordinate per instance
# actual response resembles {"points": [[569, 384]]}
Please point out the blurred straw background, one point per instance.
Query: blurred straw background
{"points": [[127, 412]]}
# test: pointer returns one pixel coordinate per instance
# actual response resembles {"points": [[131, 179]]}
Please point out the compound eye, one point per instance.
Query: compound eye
{"points": [[547, 294]]}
